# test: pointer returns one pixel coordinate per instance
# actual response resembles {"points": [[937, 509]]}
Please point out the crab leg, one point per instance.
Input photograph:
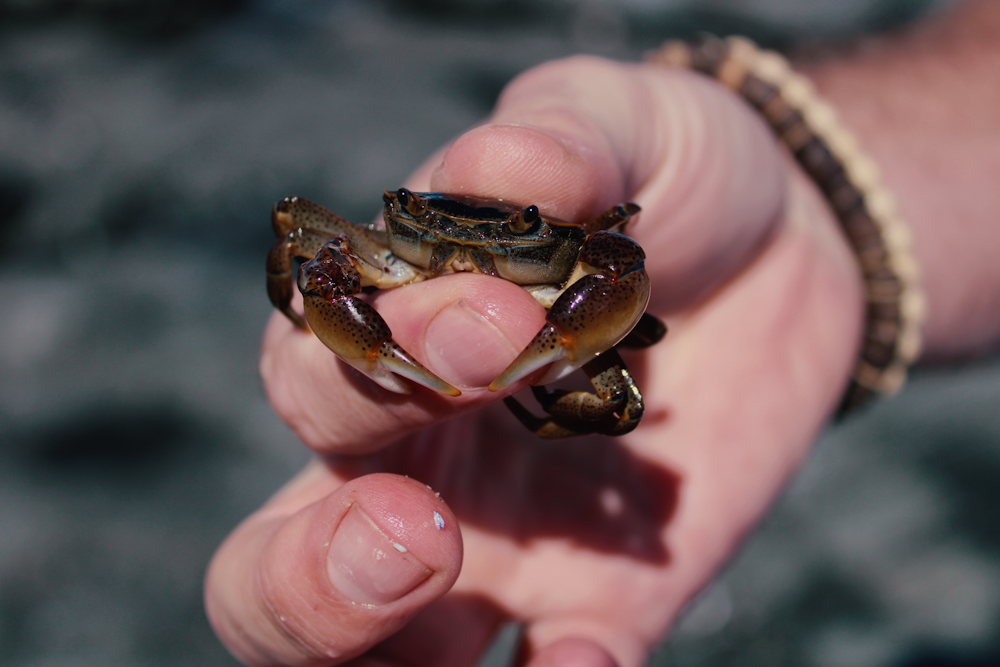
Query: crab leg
{"points": [[297, 243], [302, 228], [351, 328], [615, 409], [592, 315], [647, 332]]}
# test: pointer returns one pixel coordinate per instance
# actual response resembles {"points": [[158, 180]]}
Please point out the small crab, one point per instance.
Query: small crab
{"points": [[590, 279]]}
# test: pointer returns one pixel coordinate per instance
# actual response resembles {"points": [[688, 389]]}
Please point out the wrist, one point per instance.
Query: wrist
{"points": [[922, 106]]}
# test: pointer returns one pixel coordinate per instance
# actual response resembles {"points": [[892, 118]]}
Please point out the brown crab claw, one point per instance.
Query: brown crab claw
{"points": [[590, 317], [392, 363], [357, 334], [547, 347]]}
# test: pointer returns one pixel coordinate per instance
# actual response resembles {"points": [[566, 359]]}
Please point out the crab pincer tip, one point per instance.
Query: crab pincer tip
{"points": [[521, 368], [424, 377]]}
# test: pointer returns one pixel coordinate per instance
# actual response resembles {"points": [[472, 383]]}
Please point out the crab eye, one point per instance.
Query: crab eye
{"points": [[411, 202], [525, 221]]}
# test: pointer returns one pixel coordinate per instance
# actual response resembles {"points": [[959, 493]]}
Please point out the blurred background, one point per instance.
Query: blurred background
{"points": [[142, 144]]}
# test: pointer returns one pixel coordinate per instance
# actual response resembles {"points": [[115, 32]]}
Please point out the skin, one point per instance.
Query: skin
{"points": [[595, 544]]}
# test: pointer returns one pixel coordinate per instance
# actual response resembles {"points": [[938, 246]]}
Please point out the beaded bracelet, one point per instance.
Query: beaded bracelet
{"points": [[849, 180]]}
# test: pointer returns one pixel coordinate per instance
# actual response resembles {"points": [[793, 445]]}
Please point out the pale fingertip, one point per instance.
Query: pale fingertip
{"points": [[471, 341], [596, 640], [572, 652]]}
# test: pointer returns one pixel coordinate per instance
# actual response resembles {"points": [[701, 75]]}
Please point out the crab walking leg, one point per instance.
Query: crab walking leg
{"points": [[296, 243], [647, 332], [302, 228], [351, 328], [613, 219], [615, 410], [293, 213]]}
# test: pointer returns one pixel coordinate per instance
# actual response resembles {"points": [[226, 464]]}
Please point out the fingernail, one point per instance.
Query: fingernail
{"points": [[367, 566], [465, 348]]}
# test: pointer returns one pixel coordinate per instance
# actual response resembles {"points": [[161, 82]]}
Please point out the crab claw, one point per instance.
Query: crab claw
{"points": [[352, 329], [547, 347], [356, 333], [591, 316], [584, 322]]}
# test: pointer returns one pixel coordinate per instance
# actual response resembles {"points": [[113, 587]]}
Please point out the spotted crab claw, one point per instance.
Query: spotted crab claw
{"points": [[587, 320], [351, 328], [343, 258]]}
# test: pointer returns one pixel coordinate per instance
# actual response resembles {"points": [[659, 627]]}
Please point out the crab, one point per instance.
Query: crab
{"points": [[589, 278]]}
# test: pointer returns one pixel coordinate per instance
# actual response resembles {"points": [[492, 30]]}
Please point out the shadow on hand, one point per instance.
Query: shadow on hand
{"points": [[591, 490]]}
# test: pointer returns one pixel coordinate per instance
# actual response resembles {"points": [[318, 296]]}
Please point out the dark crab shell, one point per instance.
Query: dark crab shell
{"points": [[434, 231]]}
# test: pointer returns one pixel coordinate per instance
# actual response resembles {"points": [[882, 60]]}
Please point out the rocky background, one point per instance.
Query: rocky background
{"points": [[142, 145]]}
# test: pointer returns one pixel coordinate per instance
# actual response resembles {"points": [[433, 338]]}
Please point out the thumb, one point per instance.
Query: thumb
{"points": [[580, 135], [323, 583]]}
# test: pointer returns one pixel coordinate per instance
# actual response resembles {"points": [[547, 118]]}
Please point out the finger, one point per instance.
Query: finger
{"points": [[464, 328], [454, 631], [585, 639], [571, 652], [323, 573], [580, 135]]}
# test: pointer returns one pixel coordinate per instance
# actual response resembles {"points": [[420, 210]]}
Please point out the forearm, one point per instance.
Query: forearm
{"points": [[926, 105]]}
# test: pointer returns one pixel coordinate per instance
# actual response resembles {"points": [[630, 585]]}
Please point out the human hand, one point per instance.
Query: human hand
{"points": [[596, 543]]}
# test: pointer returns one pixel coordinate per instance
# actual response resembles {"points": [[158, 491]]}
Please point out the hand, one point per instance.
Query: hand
{"points": [[595, 543]]}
